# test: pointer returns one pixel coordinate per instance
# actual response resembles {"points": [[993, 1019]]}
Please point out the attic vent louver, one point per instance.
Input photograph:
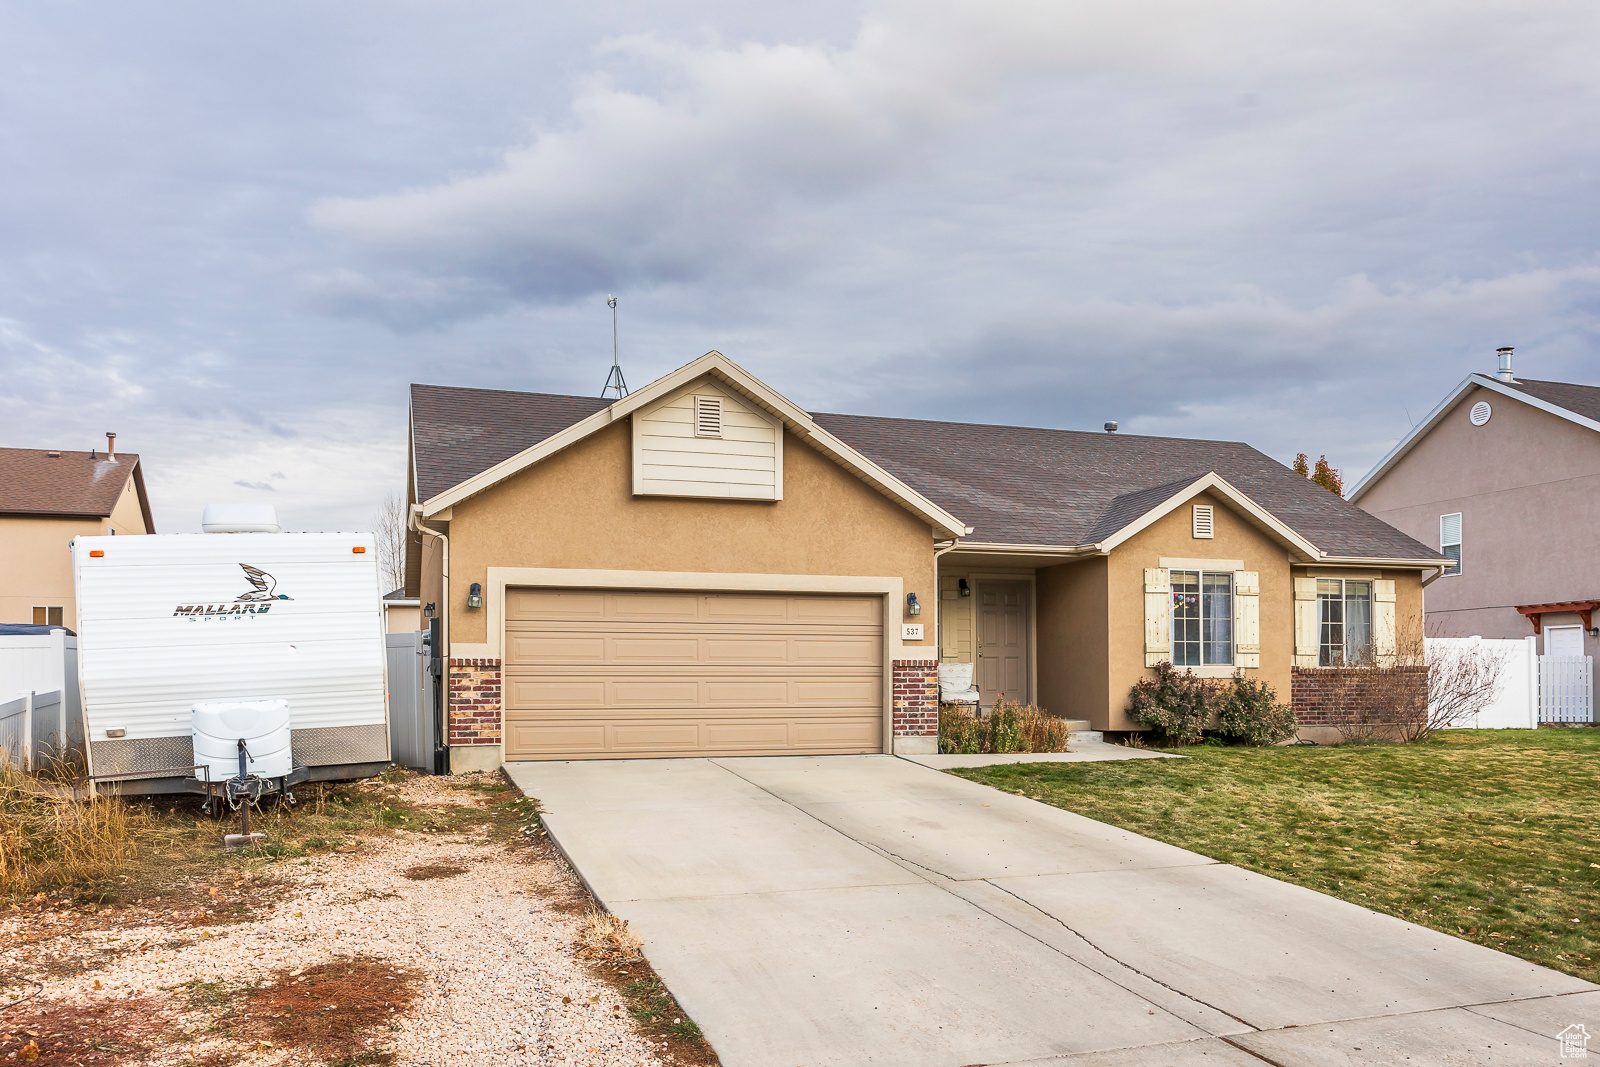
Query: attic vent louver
{"points": [[1203, 521], [708, 416]]}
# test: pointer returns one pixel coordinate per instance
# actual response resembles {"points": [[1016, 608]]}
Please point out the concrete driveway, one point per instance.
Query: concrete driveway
{"points": [[844, 910]]}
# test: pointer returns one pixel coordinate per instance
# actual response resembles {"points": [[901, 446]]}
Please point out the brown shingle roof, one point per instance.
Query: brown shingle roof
{"points": [[1018, 485], [1579, 399], [34, 481], [1013, 484], [461, 432]]}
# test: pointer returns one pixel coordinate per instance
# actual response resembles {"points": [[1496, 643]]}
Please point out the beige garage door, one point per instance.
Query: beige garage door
{"points": [[603, 674]]}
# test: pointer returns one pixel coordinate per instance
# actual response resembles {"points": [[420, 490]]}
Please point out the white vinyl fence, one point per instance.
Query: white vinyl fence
{"points": [[37, 728], [1533, 688], [1566, 689], [39, 662]]}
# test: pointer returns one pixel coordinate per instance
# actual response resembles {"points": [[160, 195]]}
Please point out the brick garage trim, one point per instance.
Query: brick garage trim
{"points": [[915, 685], [1343, 696], [475, 702]]}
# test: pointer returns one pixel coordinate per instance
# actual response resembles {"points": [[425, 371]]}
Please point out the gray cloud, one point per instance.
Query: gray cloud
{"points": [[235, 241]]}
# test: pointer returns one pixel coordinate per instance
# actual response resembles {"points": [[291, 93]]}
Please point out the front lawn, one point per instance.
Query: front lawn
{"points": [[1490, 835]]}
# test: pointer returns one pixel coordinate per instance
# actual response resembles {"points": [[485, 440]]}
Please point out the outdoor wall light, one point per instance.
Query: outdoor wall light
{"points": [[429, 612], [475, 596], [962, 587], [912, 607]]}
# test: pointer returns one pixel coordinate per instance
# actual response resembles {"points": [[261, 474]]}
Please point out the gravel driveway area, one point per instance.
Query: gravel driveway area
{"points": [[489, 936]]}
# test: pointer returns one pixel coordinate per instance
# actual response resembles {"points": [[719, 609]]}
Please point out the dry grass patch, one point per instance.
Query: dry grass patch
{"points": [[99, 1033], [1487, 835], [49, 841], [335, 1012]]}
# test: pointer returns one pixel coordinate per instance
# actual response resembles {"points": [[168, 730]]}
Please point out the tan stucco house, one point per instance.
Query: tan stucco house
{"points": [[703, 567], [1504, 477], [48, 497]]}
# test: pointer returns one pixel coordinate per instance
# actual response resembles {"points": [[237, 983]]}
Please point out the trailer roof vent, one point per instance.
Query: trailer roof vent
{"points": [[240, 518]]}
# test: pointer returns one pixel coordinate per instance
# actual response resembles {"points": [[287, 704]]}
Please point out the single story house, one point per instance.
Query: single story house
{"points": [[704, 568]]}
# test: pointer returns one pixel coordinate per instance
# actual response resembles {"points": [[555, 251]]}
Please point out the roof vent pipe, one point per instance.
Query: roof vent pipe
{"points": [[1504, 373], [111, 445], [1111, 427]]}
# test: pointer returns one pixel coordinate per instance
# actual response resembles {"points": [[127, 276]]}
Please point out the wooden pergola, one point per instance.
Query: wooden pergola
{"points": [[1536, 612]]}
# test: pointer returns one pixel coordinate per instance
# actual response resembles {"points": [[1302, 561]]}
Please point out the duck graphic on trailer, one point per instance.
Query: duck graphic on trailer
{"points": [[265, 585]]}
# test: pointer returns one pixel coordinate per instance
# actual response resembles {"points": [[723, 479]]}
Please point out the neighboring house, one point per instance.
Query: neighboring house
{"points": [[704, 568], [47, 498], [401, 614], [1504, 477]]}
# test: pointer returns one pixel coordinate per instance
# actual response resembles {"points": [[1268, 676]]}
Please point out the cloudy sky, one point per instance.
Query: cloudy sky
{"points": [[233, 233]]}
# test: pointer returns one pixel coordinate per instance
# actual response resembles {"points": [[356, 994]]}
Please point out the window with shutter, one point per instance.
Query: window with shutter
{"points": [[1157, 616], [1305, 622], [1450, 540], [1203, 521], [1247, 618], [708, 416]]}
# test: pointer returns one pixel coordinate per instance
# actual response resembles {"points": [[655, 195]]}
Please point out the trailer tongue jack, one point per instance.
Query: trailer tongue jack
{"points": [[243, 793]]}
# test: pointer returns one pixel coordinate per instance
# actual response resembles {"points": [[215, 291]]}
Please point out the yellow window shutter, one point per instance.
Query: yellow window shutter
{"points": [[1305, 622], [1246, 619], [1157, 616], [1384, 649]]}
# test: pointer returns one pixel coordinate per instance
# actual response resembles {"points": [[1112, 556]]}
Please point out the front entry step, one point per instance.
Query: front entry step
{"points": [[1082, 737]]}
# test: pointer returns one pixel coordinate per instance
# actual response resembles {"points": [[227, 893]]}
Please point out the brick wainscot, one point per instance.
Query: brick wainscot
{"points": [[1331, 703], [916, 706], [475, 703]]}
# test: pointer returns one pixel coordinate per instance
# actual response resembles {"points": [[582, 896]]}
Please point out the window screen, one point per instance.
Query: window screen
{"points": [[48, 616], [1450, 540]]}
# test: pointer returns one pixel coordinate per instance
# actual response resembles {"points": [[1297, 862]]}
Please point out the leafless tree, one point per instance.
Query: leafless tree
{"points": [[390, 525]]}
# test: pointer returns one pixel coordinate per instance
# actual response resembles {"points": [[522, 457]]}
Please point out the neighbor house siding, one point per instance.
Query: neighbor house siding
{"points": [[1527, 486], [577, 509]]}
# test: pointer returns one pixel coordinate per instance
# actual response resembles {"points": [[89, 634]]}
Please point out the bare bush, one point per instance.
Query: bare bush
{"points": [[1008, 727], [1463, 680], [1425, 687]]}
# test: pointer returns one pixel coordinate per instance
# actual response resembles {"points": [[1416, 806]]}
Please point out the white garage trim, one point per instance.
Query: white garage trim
{"points": [[893, 589]]}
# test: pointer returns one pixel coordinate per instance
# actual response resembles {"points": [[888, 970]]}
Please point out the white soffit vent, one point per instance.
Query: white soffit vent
{"points": [[1203, 521], [1480, 413], [708, 416]]}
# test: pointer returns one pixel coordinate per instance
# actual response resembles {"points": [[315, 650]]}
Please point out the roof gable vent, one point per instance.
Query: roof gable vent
{"points": [[708, 416], [1203, 522]]}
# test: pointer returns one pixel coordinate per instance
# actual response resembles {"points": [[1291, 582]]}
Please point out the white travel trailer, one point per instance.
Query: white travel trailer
{"points": [[168, 621]]}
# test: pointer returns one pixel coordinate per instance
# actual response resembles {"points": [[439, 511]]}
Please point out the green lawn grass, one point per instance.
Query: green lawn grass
{"points": [[1490, 835]]}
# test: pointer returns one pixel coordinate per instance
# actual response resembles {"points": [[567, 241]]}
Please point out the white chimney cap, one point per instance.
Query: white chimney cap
{"points": [[240, 518], [1504, 373]]}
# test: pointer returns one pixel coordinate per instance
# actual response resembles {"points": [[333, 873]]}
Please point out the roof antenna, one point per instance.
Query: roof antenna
{"points": [[614, 380]]}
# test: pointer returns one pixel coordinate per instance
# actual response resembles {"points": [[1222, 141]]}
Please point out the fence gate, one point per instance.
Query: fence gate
{"points": [[1566, 688], [410, 701]]}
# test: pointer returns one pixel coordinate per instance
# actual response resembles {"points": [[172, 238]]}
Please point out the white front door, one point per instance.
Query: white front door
{"points": [[1563, 640]]}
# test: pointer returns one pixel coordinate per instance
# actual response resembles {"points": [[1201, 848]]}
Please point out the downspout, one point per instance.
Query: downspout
{"points": [[1435, 577], [443, 651]]}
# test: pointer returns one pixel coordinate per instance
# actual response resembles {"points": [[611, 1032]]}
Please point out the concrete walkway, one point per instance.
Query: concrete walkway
{"points": [[848, 910]]}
